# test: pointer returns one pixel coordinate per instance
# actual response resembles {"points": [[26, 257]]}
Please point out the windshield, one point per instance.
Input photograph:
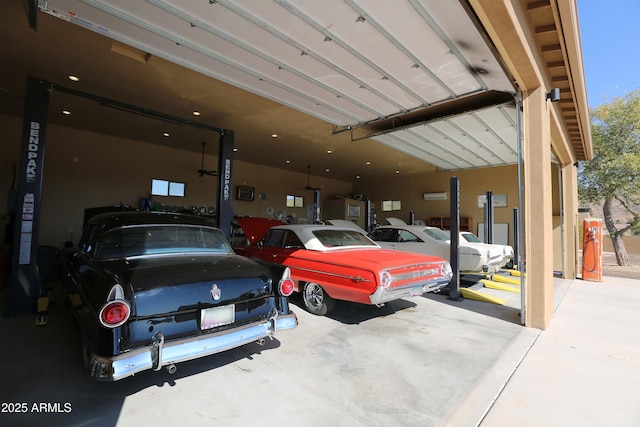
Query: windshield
{"points": [[436, 234], [471, 238], [335, 238], [159, 239]]}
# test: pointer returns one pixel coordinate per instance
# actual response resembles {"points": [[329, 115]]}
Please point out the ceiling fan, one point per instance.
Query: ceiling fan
{"points": [[202, 171], [309, 187]]}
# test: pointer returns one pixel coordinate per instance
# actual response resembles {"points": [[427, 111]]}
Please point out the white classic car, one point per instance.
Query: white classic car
{"points": [[434, 241], [473, 240]]}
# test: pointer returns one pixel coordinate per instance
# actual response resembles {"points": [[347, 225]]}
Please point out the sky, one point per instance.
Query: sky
{"points": [[610, 33]]}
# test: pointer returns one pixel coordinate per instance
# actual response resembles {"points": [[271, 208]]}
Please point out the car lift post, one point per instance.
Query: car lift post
{"points": [[488, 218], [454, 285], [516, 238], [25, 282], [225, 163]]}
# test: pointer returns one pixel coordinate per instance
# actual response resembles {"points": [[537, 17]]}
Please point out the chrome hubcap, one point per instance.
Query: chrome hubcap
{"points": [[314, 295]]}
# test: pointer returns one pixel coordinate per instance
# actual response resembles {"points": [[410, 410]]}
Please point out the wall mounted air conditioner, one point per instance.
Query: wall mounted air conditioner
{"points": [[435, 196]]}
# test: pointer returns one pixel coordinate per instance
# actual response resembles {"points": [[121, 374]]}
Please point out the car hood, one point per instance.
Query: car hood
{"points": [[255, 228], [395, 221]]}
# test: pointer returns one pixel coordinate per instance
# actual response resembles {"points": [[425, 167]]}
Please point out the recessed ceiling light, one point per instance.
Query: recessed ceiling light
{"points": [[235, 149], [196, 113], [165, 134], [327, 170], [397, 171], [287, 161], [274, 135], [329, 151], [368, 163], [357, 176], [66, 112], [73, 78]]}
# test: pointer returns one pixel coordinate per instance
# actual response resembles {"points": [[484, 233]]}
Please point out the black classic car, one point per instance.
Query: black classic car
{"points": [[151, 289]]}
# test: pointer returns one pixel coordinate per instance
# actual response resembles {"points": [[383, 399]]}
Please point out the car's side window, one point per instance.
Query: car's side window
{"points": [[88, 236], [274, 238], [407, 236], [385, 235]]}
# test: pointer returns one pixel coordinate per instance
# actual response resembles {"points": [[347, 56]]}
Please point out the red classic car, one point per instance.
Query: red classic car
{"points": [[329, 262]]}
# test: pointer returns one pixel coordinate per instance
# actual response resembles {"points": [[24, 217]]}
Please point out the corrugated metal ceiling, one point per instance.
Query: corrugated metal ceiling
{"points": [[356, 64]]}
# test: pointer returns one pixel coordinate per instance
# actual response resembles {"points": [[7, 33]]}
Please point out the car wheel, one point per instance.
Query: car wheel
{"points": [[316, 300]]}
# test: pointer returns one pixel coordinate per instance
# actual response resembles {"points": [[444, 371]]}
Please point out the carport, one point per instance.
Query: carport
{"points": [[421, 87]]}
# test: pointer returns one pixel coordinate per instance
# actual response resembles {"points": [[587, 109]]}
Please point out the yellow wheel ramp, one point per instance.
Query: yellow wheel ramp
{"points": [[505, 279], [42, 315], [516, 273], [500, 286], [479, 296]]}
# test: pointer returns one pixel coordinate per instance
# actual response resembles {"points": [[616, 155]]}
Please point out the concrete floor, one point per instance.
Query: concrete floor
{"points": [[424, 361]]}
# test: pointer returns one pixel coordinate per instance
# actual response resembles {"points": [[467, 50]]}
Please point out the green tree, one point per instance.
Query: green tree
{"points": [[614, 171]]}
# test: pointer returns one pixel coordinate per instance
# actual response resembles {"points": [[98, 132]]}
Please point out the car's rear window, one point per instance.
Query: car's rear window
{"points": [[437, 234], [159, 239], [334, 238], [472, 238]]}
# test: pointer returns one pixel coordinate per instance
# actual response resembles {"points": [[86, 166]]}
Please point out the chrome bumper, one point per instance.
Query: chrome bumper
{"points": [[492, 268], [161, 353], [382, 295]]}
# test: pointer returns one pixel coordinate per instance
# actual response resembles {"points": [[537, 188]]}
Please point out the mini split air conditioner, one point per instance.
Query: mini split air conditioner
{"points": [[435, 196]]}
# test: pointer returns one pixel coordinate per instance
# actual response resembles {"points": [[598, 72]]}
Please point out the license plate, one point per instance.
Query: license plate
{"points": [[217, 316]]}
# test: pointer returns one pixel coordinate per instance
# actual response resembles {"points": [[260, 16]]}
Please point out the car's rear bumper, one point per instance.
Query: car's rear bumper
{"points": [[492, 266], [161, 353], [382, 295]]}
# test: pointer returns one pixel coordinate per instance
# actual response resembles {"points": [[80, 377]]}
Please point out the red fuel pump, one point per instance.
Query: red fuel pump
{"points": [[592, 249]]}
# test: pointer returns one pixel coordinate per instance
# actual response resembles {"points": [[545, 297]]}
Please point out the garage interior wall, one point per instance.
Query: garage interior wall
{"points": [[409, 189], [84, 169]]}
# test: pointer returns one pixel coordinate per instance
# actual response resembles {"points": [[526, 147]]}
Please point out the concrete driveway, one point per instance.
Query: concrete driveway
{"points": [[412, 362]]}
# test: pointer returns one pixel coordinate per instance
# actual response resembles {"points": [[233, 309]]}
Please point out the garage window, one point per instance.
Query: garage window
{"points": [[161, 187], [295, 201]]}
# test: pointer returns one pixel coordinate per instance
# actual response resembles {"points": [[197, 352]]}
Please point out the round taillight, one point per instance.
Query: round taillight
{"points": [[385, 279], [445, 269], [286, 287], [114, 313]]}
